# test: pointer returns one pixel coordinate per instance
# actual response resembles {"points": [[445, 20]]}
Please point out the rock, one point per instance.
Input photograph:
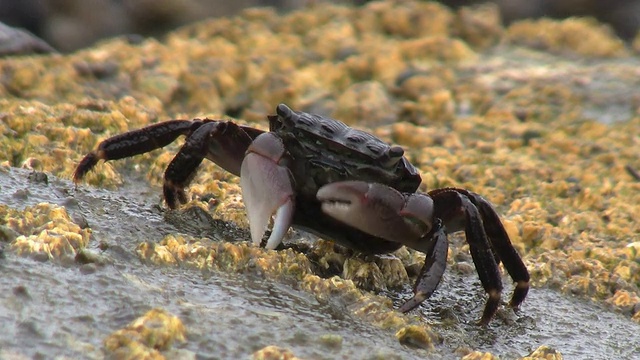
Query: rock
{"points": [[21, 42]]}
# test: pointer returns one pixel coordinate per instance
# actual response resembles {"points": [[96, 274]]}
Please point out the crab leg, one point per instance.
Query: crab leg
{"points": [[224, 143], [484, 225], [435, 263], [458, 212], [134, 143], [502, 247], [266, 189]]}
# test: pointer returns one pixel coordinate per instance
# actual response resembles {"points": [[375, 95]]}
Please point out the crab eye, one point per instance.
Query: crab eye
{"points": [[284, 111], [393, 155], [396, 152]]}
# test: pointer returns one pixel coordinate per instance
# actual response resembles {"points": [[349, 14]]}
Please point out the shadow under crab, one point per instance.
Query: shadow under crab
{"points": [[319, 175]]}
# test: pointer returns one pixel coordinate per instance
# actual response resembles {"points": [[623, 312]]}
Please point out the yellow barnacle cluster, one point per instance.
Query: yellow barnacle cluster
{"points": [[146, 337], [45, 232], [273, 352], [414, 335]]}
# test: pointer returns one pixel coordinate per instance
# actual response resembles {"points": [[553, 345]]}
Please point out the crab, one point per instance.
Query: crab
{"points": [[319, 175]]}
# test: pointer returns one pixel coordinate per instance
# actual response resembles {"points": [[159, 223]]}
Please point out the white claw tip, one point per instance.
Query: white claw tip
{"points": [[281, 223]]}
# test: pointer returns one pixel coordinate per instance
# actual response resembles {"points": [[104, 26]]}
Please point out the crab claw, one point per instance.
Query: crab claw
{"points": [[266, 189], [379, 210]]}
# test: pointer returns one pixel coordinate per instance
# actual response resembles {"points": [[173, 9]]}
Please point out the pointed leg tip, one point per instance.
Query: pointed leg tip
{"points": [[483, 322], [491, 307], [173, 195], [519, 294], [408, 306], [86, 164], [77, 176], [417, 299]]}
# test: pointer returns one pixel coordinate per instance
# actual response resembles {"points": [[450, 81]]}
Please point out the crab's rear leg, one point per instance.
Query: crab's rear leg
{"points": [[134, 143], [403, 218], [267, 189], [224, 143], [501, 245], [459, 213], [488, 243]]}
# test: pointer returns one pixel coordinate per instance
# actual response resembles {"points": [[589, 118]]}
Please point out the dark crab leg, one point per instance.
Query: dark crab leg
{"points": [[224, 143], [435, 263], [266, 189], [502, 246], [450, 199], [134, 143], [459, 213]]}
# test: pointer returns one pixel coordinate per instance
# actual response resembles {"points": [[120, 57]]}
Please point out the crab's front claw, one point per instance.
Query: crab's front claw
{"points": [[379, 210], [266, 189]]}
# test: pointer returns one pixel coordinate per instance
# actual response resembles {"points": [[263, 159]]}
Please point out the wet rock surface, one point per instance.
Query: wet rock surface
{"points": [[543, 127], [89, 307]]}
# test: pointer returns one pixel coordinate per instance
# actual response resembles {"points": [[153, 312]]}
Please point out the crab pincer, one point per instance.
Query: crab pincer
{"points": [[266, 189], [403, 218]]}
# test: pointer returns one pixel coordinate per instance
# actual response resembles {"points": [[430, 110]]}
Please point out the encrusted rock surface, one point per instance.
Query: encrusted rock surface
{"points": [[542, 125], [46, 232], [146, 337]]}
